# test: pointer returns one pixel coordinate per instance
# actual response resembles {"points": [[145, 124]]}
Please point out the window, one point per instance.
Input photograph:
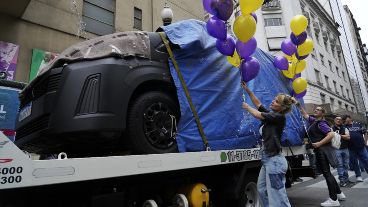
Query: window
{"points": [[322, 59], [332, 102], [99, 16], [340, 104], [330, 65], [352, 109], [347, 93], [273, 22], [323, 98], [342, 90], [346, 107], [335, 87], [314, 54], [343, 75], [327, 83], [337, 71], [318, 78], [137, 18]]}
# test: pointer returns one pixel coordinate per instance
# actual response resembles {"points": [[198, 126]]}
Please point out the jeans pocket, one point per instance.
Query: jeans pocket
{"points": [[276, 180]]}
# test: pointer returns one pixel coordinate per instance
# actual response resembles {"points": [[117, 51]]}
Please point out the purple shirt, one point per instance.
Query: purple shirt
{"points": [[322, 125]]}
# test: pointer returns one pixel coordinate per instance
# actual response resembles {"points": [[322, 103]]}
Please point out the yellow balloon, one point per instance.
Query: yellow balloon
{"points": [[244, 27], [300, 66], [298, 24], [299, 85], [234, 60], [305, 48], [249, 6], [290, 58], [289, 73]]}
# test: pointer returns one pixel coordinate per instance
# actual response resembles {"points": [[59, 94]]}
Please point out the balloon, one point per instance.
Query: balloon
{"points": [[297, 76], [249, 68], [300, 95], [210, 6], [224, 9], [246, 49], [249, 6], [244, 27], [216, 28], [300, 57], [234, 59], [299, 85], [298, 24], [305, 48], [288, 47], [300, 39], [288, 73], [281, 63], [226, 47], [290, 58], [254, 16], [300, 66]]}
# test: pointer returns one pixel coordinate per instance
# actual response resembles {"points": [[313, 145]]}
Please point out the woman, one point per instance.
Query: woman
{"points": [[271, 179], [320, 134]]}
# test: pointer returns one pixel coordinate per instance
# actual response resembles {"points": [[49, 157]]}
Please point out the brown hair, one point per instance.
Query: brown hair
{"points": [[286, 102]]}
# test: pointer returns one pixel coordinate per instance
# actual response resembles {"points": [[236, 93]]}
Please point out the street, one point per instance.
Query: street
{"points": [[311, 192]]}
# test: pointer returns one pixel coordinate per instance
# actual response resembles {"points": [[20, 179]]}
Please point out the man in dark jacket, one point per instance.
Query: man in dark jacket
{"points": [[343, 152], [356, 146]]}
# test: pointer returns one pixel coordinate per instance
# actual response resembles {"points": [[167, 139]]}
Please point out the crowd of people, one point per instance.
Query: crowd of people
{"points": [[351, 155]]}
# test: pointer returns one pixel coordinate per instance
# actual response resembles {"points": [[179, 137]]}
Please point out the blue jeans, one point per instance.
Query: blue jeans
{"points": [[343, 164], [362, 154], [271, 182]]}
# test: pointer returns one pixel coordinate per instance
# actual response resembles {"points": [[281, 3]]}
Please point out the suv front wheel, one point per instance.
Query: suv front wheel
{"points": [[152, 119]]}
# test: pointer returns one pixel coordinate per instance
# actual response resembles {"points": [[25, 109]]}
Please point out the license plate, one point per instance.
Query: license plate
{"points": [[25, 112]]}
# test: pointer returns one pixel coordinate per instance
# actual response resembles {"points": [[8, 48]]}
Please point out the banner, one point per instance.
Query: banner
{"points": [[40, 59], [9, 106], [8, 60]]}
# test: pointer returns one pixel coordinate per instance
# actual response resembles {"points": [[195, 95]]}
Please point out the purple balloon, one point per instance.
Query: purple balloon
{"points": [[250, 68], [254, 16], [281, 63], [216, 28], [300, 95], [300, 39], [288, 47], [297, 76], [246, 49], [226, 47], [224, 9], [210, 6]]}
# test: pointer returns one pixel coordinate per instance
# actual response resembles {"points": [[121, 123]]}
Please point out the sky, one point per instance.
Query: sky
{"points": [[359, 8]]}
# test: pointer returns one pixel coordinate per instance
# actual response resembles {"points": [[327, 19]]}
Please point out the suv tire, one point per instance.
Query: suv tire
{"points": [[151, 125]]}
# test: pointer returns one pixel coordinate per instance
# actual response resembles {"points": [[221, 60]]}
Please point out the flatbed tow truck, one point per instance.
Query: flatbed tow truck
{"points": [[173, 179]]}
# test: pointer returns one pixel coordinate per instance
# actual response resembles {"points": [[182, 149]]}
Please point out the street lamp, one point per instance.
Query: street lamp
{"points": [[167, 15]]}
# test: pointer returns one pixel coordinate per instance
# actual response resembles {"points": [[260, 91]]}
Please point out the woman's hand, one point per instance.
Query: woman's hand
{"points": [[317, 145], [245, 106]]}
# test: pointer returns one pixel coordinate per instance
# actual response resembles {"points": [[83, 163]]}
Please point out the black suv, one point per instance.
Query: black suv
{"points": [[102, 103]]}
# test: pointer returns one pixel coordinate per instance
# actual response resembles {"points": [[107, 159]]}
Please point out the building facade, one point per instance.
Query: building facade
{"points": [[326, 73], [358, 45], [52, 26], [350, 54]]}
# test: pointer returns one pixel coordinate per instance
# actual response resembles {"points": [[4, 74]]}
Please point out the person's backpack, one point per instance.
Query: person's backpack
{"points": [[336, 140]]}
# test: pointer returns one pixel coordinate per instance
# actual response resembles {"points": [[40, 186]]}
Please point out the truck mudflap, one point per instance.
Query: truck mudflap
{"points": [[17, 169]]}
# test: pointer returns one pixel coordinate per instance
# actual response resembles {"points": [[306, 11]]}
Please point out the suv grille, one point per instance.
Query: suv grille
{"points": [[40, 88], [34, 126]]}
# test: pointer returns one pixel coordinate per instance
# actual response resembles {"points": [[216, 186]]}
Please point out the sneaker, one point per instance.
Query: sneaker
{"points": [[330, 202], [343, 184], [359, 179], [341, 196]]}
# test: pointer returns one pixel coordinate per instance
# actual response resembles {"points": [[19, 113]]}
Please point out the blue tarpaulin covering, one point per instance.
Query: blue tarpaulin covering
{"points": [[214, 86]]}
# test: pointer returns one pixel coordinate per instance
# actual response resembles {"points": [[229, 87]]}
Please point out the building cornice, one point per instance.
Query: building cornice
{"points": [[321, 12]]}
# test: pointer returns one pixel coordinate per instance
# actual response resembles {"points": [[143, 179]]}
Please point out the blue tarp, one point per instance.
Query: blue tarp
{"points": [[214, 86]]}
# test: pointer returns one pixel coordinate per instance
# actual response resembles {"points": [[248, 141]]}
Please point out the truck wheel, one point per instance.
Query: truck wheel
{"points": [[152, 119], [249, 194]]}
